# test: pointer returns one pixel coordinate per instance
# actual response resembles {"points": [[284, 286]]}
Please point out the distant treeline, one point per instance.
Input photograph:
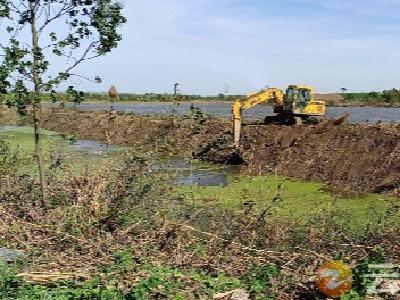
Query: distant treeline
{"points": [[149, 97], [126, 97], [384, 98], [387, 97]]}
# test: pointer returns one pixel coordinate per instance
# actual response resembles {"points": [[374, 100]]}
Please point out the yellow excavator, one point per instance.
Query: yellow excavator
{"points": [[296, 106]]}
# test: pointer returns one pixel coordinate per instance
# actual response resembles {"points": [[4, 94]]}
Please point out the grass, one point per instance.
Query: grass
{"points": [[152, 282], [145, 262], [294, 200], [20, 140]]}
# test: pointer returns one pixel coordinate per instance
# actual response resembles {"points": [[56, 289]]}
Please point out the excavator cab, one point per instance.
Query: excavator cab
{"points": [[299, 100]]}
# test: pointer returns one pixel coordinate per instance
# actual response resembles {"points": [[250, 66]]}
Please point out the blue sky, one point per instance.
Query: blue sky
{"points": [[240, 46]]}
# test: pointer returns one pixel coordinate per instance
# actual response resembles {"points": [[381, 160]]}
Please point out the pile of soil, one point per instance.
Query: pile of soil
{"points": [[176, 136], [8, 116], [359, 157], [336, 99]]}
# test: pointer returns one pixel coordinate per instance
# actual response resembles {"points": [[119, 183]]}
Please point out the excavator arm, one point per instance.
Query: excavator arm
{"points": [[270, 94]]}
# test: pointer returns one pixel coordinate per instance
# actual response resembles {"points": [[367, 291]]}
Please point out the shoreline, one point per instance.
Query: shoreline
{"points": [[358, 105], [340, 148]]}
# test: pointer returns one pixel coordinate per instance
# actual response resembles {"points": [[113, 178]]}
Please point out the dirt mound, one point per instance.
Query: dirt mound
{"points": [[336, 99], [180, 136], [7, 116], [358, 157]]}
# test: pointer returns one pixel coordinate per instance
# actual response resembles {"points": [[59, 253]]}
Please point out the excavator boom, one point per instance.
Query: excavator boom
{"points": [[270, 94]]}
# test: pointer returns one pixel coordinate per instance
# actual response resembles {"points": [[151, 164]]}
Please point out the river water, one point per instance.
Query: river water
{"points": [[184, 171], [220, 109]]}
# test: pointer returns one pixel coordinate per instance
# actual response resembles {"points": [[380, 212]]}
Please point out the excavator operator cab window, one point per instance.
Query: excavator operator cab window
{"points": [[303, 97], [290, 98], [290, 94]]}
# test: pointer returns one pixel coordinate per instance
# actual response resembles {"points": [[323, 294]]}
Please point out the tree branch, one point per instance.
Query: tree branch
{"points": [[63, 11], [83, 57], [84, 77], [78, 61]]}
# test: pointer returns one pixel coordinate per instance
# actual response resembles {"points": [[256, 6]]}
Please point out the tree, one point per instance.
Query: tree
{"points": [[113, 93], [344, 90], [42, 43], [391, 96]]}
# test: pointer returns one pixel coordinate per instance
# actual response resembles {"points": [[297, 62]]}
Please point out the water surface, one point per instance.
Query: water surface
{"points": [[187, 172], [221, 109]]}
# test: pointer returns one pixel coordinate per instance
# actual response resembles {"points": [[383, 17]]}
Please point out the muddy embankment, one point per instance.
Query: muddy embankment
{"points": [[358, 157]]}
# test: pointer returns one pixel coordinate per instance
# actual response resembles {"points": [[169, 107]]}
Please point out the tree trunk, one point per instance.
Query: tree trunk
{"points": [[37, 101]]}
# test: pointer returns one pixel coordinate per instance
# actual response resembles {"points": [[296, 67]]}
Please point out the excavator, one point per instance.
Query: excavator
{"points": [[296, 106]]}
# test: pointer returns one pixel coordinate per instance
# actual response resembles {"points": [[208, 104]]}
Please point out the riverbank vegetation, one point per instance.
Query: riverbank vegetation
{"points": [[125, 97], [384, 98], [118, 229]]}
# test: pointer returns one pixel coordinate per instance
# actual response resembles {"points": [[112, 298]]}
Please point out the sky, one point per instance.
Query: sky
{"points": [[241, 46]]}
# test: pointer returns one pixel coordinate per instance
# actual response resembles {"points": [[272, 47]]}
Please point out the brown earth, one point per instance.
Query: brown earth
{"points": [[146, 133], [358, 157], [337, 99]]}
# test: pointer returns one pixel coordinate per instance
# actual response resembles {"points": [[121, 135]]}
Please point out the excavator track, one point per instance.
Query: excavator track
{"points": [[291, 120]]}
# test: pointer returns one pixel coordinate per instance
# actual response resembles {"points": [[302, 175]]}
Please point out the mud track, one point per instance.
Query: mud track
{"points": [[358, 157]]}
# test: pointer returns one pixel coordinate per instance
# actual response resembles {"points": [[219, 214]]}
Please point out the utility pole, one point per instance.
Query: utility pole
{"points": [[176, 89]]}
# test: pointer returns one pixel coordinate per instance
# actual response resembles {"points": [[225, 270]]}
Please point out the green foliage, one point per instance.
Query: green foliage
{"points": [[148, 97], [8, 159], [154, 282], [391, 96], [172, 283], [140, 191], [13, 287], [259, 278], [374, 98], [306, 203], [92, 27]]}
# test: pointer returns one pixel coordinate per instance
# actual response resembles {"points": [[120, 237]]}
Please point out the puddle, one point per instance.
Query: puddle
{"points": [[4, 128], [92, 147], [188, 173], [202, 178]]}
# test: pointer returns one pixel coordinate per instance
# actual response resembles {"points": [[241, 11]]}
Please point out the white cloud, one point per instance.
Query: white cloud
{"points": [[382, 8], [207, 45]]}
